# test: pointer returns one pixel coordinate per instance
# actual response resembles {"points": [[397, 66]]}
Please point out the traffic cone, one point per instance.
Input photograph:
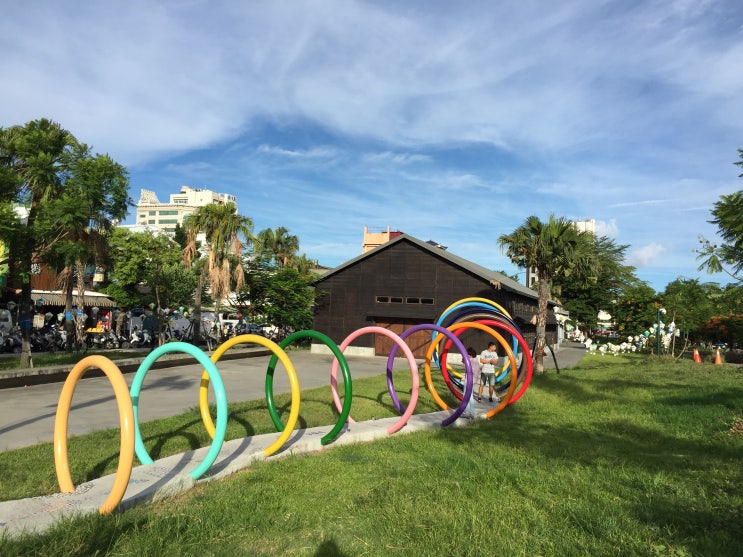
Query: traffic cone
{"points": [[697, 357], [718, 359]]}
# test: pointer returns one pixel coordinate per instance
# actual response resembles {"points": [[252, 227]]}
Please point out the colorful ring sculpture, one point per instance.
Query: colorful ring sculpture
{"points": [[126, 422], [221, 399], [128, 400], [525, 359], [290, 371], [411, 362], [509, 354], [468, 306], [467, 366], [346, 382]]}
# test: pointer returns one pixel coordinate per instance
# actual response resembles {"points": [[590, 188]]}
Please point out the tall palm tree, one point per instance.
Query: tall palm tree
{"points": [[556, 249], [226, 234], [279, 244]]}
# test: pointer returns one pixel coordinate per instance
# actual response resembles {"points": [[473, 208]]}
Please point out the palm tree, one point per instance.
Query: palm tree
{"points": [[227, 234], [556, 249], [279, 244]]}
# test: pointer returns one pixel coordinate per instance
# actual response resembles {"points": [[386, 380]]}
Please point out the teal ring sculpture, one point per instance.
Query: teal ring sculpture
{"points": [[219, 395]]}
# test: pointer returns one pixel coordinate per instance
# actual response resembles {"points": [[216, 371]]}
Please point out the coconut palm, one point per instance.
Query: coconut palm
{"points": [[226, 234], [279, 244], [556, 249]]}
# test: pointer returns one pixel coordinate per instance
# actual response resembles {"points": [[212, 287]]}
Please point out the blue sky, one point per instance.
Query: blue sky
{"points": [[449, 121]]}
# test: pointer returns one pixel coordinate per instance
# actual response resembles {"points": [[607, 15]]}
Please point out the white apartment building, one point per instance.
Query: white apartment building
{"points": [[151, 213]]}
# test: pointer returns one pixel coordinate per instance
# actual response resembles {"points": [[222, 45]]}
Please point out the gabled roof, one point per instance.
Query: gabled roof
{"points": [[498, 280]]}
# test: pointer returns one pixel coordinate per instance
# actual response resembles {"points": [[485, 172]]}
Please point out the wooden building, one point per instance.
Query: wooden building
{"points": [[406, 282]]}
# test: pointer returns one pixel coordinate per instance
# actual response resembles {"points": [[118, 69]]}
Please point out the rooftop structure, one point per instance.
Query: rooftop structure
{"points": [[375, 239]]}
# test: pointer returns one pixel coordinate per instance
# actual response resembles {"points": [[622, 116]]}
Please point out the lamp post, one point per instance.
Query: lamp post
{"points": [[657, 330]]}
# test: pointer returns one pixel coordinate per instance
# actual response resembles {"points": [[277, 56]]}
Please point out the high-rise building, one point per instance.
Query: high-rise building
{"points": [[151, 213]]}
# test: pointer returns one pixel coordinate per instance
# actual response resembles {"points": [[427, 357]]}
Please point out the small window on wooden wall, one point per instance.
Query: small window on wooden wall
{"points": [[407, 300]]}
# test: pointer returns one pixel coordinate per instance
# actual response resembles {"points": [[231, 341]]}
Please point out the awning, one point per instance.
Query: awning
{"points": [[55, 298]]}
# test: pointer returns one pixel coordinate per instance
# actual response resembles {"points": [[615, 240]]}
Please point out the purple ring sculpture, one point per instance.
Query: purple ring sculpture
{"points": [[465, 360]]}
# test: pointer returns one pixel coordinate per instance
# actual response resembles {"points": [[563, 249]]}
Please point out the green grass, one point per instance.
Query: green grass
{"points": [[618, 456]]}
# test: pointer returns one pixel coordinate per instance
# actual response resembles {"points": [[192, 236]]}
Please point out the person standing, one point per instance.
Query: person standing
{"points": [[488, 359]]}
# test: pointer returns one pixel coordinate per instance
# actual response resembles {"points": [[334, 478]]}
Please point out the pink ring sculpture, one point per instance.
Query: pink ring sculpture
{"points": [[411, 362]]}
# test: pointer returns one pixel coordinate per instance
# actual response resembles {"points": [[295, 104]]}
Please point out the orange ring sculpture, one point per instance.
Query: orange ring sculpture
{"points": [[126, 420]]}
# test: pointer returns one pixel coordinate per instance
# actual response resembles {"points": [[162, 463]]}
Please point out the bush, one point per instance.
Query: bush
{"points": [[734, 356]]}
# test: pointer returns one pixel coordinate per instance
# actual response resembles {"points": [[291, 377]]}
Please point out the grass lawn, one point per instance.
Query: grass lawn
{"points": [[618, 456]]}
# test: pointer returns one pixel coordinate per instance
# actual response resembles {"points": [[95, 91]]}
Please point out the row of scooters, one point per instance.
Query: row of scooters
{"points": [[53, 338]]}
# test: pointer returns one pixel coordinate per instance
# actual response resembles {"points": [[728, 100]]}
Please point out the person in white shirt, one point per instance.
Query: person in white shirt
{"points": [[488, 359]]}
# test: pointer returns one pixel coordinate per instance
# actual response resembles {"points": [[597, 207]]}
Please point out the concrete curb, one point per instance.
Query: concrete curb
{"points": [[170, 476]]}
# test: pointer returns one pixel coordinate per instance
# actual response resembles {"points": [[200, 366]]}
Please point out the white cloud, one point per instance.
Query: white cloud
{"points": [[645, 256], [609, 229]]}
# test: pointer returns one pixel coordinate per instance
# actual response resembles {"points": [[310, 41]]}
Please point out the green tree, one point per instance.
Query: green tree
{"points": [[635, 310], [557, 250], [726, 257], [277, 243], [584, 299], [283, 297], [691, 304], [227, 234], [34, 160], [80, 222], [151, 260]]}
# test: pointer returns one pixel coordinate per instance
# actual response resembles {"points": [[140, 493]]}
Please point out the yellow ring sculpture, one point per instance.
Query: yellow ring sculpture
{"points": [[126, 420], [293, 382]]}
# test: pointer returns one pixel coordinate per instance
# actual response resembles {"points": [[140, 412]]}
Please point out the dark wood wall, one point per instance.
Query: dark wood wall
{"points": [[347, 300]]}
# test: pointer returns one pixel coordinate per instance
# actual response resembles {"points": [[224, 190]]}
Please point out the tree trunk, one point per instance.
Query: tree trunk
{"points": [[543, 292], [197, 307], [24, 322], [81, 317]]}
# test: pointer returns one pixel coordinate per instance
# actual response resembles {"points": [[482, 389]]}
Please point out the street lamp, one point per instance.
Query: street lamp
{"points": [[657, 330]]}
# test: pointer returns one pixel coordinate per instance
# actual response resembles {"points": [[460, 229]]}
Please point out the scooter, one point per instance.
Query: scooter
{"points": [[13, 341]]}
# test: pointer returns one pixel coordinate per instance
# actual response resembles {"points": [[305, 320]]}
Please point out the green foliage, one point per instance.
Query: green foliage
{"points": [[227, 235], [726, 257], [584, 299], [559, 252], [281, 296], [278, 245], [150, 260], [71, 196]]}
